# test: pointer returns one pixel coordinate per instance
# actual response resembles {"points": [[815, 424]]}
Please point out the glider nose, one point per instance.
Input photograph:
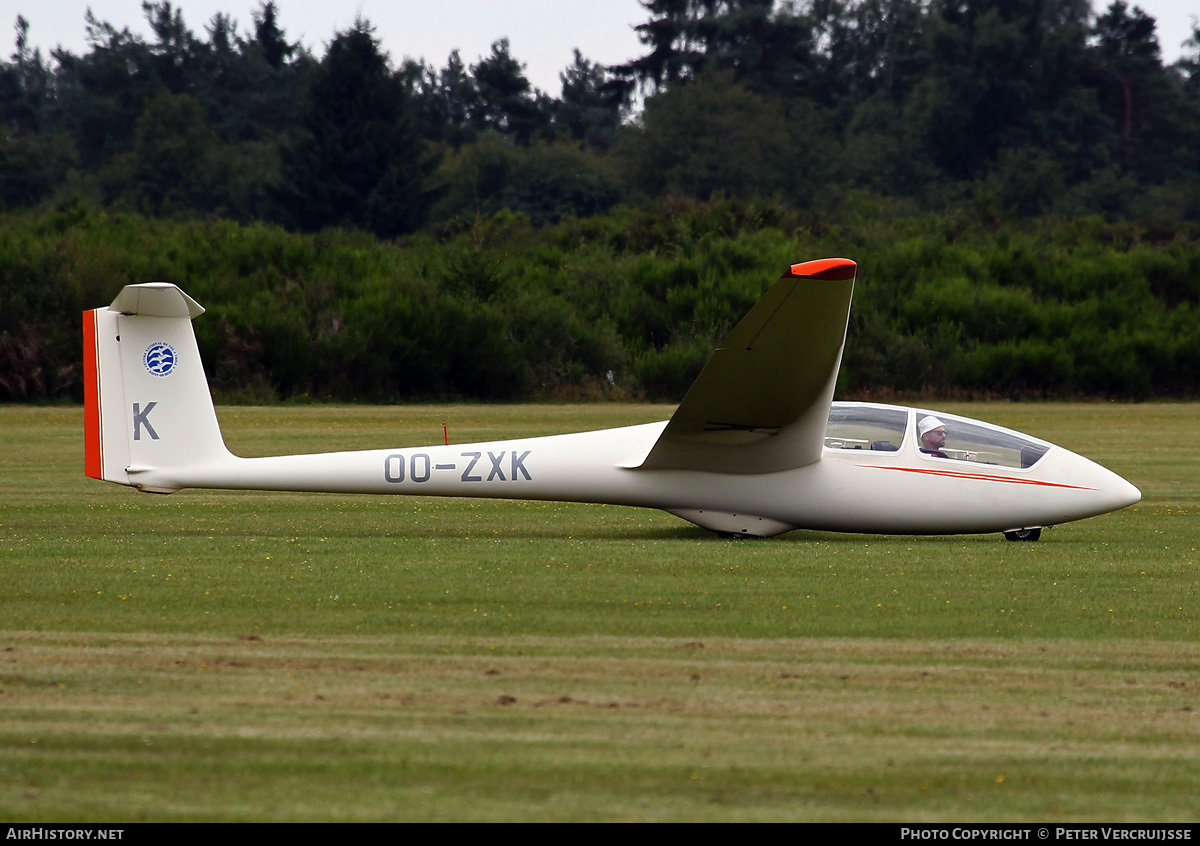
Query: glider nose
{"points": [[1099, 489], [1113, 491], [1122, 492]]}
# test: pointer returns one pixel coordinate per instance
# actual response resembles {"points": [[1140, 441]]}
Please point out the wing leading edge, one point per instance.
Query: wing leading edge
{"points": [[761, 402]]}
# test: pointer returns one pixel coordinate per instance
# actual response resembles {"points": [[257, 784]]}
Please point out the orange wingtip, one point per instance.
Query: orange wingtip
{"points": [[832, 269]]}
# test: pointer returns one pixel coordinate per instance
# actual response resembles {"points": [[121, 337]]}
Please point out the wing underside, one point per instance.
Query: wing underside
{"points": [[761, 402]]}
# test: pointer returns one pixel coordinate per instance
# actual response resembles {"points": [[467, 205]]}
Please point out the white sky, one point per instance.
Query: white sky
{"points": [[541, 33]]}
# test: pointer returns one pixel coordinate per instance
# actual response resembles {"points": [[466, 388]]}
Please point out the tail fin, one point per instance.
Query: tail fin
{"points": [[147, 407]]}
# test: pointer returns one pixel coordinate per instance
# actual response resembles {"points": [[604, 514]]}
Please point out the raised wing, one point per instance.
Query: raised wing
{"points": [[760, 404]]}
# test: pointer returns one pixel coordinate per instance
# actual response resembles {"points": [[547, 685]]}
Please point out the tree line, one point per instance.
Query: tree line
{"points": [[1019, 183], [1030, 107]]}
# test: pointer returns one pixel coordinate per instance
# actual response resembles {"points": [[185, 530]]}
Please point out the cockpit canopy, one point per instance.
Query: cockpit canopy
{"points": [[854, 425], [889, 428]]}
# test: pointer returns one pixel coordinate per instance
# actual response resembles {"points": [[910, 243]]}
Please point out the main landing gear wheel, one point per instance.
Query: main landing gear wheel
{"points": [[1023, 534]]}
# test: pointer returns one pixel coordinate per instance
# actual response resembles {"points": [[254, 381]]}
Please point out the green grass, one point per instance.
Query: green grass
{"points": [[246, 656]]}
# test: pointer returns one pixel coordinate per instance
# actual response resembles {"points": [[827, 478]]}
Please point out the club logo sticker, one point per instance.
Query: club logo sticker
{"points": [[159, 359]]}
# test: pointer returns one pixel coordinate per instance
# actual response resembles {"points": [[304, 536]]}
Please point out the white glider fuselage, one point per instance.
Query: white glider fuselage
{"points": [[899, 492]]}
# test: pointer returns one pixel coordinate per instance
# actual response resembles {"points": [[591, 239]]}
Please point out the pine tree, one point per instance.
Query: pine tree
{"points": [[360, 162]]}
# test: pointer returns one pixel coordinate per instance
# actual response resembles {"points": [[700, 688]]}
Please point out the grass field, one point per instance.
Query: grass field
{"points": [[224, 656]]}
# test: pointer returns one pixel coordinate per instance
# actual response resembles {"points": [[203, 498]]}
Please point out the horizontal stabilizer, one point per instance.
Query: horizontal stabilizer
{"points": [[156, 299]]}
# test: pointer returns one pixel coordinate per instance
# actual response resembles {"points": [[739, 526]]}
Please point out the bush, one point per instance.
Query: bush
{"points": [[629, 303]]}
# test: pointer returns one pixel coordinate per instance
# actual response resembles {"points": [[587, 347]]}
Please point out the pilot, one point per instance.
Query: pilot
{"points": [[933, 436]]}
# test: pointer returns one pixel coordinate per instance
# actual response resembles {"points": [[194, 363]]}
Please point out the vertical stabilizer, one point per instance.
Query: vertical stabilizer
{"points": [[147, 407]]}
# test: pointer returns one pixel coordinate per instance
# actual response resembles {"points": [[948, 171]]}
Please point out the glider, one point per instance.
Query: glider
{"points": [[756, 448]]}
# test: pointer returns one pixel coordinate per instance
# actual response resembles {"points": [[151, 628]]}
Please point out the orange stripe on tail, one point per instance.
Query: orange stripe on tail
{"points": [[93, 464]]}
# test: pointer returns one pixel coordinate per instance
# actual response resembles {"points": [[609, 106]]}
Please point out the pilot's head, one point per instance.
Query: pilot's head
{"points": [[932, 432]]}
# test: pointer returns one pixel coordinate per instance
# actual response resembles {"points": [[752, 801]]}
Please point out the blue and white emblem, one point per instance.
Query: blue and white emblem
{"points": [[159, 359]]}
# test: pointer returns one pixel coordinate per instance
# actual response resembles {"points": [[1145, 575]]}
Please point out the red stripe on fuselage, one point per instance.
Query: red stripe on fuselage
{"points": [[979, 477], [93, 463]]}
